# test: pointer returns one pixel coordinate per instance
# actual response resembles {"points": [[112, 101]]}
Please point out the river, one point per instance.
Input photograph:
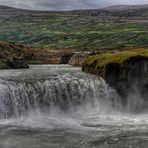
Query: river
{"points": [[58, 106]]}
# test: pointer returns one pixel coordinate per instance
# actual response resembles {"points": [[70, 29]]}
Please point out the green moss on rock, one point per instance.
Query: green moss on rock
{"points": [[97, 64]]}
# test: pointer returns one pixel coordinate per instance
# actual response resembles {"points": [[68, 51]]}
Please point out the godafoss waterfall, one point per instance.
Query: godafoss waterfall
{"points": [[58, 106]]}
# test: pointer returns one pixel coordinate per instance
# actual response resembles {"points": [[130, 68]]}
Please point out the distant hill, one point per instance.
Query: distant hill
{"points": [[6, 7], [125, 7], [111, 27], [135, 11]]}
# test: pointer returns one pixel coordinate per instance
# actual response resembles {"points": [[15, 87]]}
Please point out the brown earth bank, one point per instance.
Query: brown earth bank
{"points": [[43, 56], [126, 71], [46, 56]]}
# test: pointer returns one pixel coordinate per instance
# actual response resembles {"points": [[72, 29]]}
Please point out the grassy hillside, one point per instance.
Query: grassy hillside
{"points": [[92, 29]]}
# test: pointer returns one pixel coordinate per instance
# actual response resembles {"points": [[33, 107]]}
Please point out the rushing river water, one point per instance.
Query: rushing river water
{"points": [[58, 106]]}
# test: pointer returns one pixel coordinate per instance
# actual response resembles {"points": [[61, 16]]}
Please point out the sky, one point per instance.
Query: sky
{"points": [[59, 5]]}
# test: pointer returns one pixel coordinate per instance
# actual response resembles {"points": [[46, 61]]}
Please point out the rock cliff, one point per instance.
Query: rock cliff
{"points": [[125, 71]]}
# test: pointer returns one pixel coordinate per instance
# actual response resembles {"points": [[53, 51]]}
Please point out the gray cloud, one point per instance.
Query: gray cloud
{"points": [[67, 4]]}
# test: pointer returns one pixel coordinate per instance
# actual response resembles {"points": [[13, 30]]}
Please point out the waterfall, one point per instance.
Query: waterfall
{"points": [[66, 92], [45, 88]]}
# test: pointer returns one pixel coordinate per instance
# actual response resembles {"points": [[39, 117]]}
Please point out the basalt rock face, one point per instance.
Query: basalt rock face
{"points": [[79, 57], [130, 79], [12, 56]]}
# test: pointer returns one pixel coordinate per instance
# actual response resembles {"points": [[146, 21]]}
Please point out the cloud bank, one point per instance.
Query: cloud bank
{"points": [[59, 5]]}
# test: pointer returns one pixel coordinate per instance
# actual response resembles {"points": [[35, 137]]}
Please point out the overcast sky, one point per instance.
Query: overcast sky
{"points": [[67, 4]]}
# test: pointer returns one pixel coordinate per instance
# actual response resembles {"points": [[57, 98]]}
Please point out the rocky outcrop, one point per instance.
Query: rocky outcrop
{"points": [[12, 56], [127, 74], [79, 57]]}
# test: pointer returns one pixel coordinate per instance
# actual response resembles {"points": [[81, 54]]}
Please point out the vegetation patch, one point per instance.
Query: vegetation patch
{"points": [[89, 30]]}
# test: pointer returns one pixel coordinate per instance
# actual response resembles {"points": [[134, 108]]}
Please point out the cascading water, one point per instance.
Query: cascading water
{"points": [[67, 92], [55, 106]]}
